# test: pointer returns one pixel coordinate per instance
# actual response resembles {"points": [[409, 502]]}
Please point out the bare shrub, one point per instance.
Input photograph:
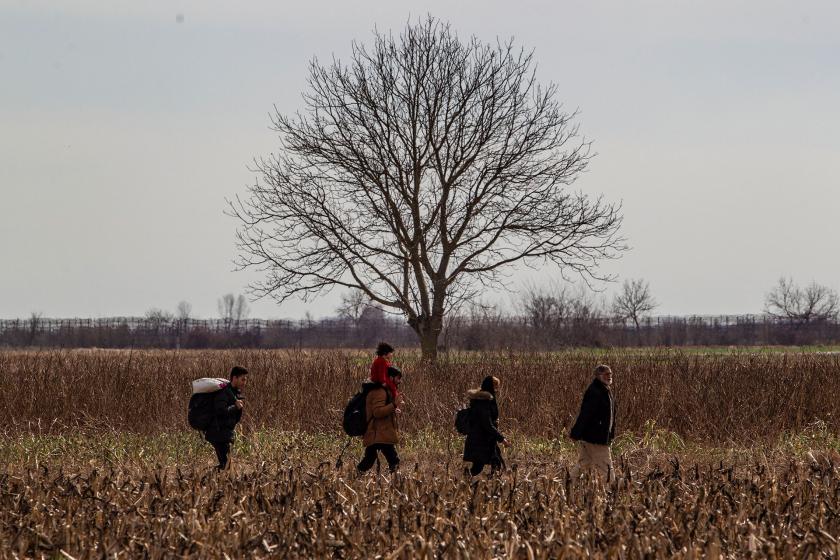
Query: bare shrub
{"points": [[562, 315], [813, 303], [233, 309], [634, 302]]}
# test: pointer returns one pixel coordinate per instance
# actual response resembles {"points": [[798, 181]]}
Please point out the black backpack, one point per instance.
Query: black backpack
{"points": [[355, 416], [462, 421], [200, 415]]}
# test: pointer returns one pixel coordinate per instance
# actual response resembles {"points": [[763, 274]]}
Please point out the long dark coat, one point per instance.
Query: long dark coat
{"points": [[225, 416], [593, 422], [483, 438]]}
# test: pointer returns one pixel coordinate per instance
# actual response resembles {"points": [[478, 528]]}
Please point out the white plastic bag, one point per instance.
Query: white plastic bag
{"points": [[208, 385]]}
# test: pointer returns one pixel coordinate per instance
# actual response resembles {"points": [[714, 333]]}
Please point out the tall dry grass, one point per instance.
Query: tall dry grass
{"points": [[742, 398]]}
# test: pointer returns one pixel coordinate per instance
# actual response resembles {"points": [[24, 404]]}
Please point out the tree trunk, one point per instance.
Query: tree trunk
{"points": [[428, 330], [638, 331], [428, 346]]}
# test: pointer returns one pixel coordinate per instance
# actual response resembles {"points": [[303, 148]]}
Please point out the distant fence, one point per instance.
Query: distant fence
{"points": [[469, 333], [140, 332]]}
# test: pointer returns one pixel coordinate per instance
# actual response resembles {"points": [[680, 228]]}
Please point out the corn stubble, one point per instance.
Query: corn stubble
{"points": [[303, 511]]}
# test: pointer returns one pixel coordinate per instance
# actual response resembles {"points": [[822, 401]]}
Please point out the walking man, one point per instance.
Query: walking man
{"points": [[595, 425], [227, 412], [382, 410]]}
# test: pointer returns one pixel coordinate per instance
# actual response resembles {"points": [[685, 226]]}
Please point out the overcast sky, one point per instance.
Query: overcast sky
{"points": [[125, 124]]}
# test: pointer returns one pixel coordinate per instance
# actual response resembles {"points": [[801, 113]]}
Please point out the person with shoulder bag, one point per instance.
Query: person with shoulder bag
{"points": [[382, 433], [227, 412], [481, 447]]}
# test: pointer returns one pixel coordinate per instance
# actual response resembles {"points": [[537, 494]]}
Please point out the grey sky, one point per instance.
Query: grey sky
{"points": [[122, 131]]}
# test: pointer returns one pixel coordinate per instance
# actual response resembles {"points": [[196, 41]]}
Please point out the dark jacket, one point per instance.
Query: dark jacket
{"points": [[381, 420], [483, 438], [225, 415], [593, 422]]}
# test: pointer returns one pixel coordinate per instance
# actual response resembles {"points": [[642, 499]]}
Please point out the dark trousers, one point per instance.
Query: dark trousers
{"points": [[495, 463], [476, 468], [387, 449], [222, 449]]}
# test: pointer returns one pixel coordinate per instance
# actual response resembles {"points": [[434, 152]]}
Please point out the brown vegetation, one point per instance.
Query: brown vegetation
{"points": [[97, 460], [738, 398], [293, 509]]}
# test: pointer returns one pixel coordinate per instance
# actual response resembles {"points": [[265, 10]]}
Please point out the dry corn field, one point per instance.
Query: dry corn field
{"points": [[291, 510], [731, 455]]}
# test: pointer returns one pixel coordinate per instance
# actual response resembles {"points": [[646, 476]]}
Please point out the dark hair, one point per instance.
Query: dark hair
{"points": [[237, 371], [394, 371], [487, 385], [384, 348]]}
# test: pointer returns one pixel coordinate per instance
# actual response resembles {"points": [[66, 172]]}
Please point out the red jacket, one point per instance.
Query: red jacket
{"points": [[379, 374]]}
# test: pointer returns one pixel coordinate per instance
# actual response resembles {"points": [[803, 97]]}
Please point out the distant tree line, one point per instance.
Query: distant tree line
{"points": [[483, 330], [545, 318]]}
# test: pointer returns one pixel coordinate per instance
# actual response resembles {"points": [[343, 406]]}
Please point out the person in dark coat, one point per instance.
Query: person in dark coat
{"points": [[594, 428], [227, 412], [483, 438]]}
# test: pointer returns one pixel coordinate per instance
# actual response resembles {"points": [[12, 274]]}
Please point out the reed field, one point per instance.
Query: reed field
{"points": [[743, 398], [718, 455]]}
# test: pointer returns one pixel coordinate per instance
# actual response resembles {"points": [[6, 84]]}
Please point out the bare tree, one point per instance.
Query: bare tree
{"points": [[158, 318], [561, 313], [233, 309], [352, 306], [372, 316], [634, 301], [184, 311], [360, 311], [183, 314], [545, 307], [813, 303], [418, 173], [241, 310], [36, 320]]}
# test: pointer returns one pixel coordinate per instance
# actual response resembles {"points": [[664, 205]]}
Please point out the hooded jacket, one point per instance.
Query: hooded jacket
{"points": [[596, 421], [483, 437], [381, 420]]}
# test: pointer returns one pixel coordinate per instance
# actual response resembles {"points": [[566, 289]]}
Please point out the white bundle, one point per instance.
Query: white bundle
{"points": [[208, 385]]}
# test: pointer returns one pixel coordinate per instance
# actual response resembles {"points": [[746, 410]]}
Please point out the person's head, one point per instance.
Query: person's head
{"points": [[490, 384], [385, 350], [395, 375], [604, 374], [238, 377]]}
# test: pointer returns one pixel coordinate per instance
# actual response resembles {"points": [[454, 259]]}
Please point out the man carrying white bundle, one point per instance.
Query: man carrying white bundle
{"points": [[227, 412]]}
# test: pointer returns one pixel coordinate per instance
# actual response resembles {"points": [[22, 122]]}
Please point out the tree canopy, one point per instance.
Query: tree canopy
{"points": [[418, 172]]}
